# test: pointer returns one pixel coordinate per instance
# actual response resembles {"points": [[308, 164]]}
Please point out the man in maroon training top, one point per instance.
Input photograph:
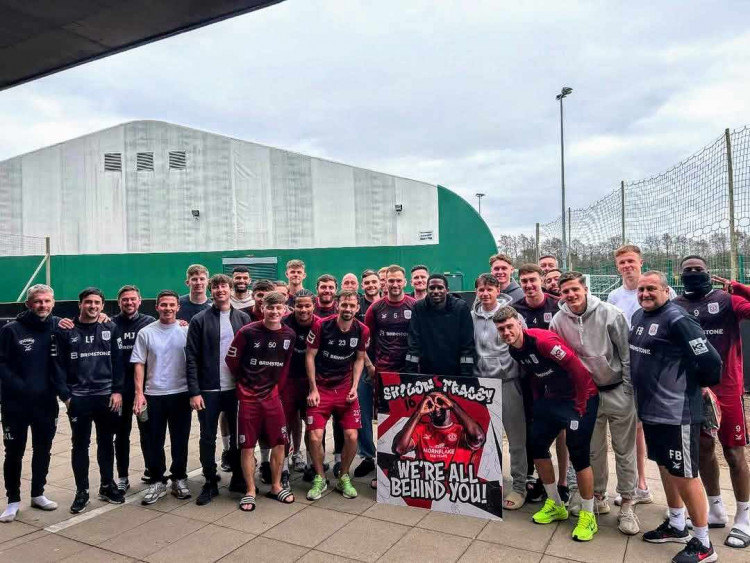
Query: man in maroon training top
{"points": [[325, 302], [259, 358], [537, 307], [260, 288], [719, 314], [335, 357]]}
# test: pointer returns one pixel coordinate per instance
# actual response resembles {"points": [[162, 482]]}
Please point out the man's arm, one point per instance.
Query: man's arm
{"points": [[475, 436], [138, 377], [370, 324], [235, 352], [313, 398], [692, 339], [467, 350], [118, 370], [59, 375], [619, 332], [402, 442], [556, 350], [7, 375], [414, 340], [359, 363], [193, 350]]}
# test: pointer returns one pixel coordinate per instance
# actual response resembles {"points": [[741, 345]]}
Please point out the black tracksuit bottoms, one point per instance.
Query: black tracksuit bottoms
{"points": [[82, 414], [122, 438], [16, 424], [217, 402], [173, 412]]}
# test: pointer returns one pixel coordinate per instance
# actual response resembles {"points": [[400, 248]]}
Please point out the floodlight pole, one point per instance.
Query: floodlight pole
{"points": [[563, 93], [479, 201]]}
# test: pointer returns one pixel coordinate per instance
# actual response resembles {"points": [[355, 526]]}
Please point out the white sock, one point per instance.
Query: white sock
{"points": [[9, 514], [337, 458], [677, 518], [553, 493], [265, 455], [742, 518], [717, 513], [285, 467], [225, 442], [587, 504], [701, 532]]}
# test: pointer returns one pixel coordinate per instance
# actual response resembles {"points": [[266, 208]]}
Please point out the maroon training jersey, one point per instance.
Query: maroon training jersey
{"points": [[719, 315], [389, 327], [255, 314], [326, 311], [259, 358], [297, 368], [557, 371], [538, 317], [337, 350]]}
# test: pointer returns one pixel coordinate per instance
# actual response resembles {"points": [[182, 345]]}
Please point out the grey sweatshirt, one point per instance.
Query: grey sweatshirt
{"points": [[493, 357], [599, 338]]}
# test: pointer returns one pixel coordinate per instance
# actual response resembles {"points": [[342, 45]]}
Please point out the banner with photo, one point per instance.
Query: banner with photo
{"points": [[440, 443]]}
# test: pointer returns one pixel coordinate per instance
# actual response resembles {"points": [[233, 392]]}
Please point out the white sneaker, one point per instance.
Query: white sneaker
{"points": [[628, 522], [180, 489], [641, 496], [601, 506], [43, 503], [154, 492], [9, 514]]}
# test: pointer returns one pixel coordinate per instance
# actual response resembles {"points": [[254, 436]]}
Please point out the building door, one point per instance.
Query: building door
{"points": [[263, 268], [455, 281]]}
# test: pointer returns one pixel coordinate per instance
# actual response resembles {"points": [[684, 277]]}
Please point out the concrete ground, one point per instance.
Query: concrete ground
{"points": [[331, 530]]}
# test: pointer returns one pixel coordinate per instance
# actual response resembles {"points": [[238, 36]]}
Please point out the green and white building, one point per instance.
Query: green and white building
{"points": [[139, 202]]}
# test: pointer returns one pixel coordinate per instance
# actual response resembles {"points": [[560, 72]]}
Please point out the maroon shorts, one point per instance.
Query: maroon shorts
{"points": [[294, 398], [732, 428], [333, 402], [261, 419]]}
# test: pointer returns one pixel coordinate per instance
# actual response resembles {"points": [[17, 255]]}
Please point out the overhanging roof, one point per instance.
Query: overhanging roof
{"points": [[41, 37]]}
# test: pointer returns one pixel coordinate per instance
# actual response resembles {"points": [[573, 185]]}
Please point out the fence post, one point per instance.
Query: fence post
{"points": [[730, 184], [570, 240], [622, 205], [48, 268], [537, 242]]}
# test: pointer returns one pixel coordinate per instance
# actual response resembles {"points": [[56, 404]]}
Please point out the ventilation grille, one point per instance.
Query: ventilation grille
{"points": [[145, 161], [177, 160], [260, 268], [113, 162]]}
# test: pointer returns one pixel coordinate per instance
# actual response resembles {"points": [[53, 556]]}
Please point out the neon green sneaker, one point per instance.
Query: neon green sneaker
{"points": [[550, 512], [319, 486], [586, 527], [344, 485]]}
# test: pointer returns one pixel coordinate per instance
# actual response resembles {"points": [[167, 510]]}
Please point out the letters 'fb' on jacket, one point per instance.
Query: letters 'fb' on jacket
{"points": [[599, 337], [493, 357]]}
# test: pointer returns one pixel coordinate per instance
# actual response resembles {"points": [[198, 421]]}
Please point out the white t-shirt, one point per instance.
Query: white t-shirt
{"points": [[226, 379], [627, 300], [162, 348]]}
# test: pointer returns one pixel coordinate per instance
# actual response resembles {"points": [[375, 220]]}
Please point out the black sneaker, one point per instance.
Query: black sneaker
{"points": [[337, 469], [80, 502], [146, 477], [207, 494], [564, 494], [309, 474], [535, 491], [367, 466], [265, 472], [225, 465], [696, 552], [285, 480], [666, 533], [111, 494]]}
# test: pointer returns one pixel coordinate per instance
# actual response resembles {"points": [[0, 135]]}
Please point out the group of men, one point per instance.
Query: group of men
{"points": [[261, 362]]}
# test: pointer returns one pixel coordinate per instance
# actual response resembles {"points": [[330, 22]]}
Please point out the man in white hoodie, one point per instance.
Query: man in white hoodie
{"points": [[598, 333], [493, 360]]}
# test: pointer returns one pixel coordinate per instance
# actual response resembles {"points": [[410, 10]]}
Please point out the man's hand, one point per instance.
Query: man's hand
{"points": [[313, 399], [182, 322], [139, 403], [115, 402], [370, 373], [196, 403], [725, 283], [103, 318], [66, 324], [67, 404], [426, 406], [352, 395], [442, 401]]}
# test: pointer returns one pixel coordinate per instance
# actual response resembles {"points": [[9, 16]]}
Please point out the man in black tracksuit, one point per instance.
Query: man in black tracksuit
{"points": [[210, 383], [129, 321], [28, 397], [441, 333], [89, 362]]}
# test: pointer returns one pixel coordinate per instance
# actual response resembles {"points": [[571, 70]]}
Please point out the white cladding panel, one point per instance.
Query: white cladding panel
{"points": [[247, 196]]}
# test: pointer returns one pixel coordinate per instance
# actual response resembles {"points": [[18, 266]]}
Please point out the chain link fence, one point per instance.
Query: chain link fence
{"points": [[700, 206]]}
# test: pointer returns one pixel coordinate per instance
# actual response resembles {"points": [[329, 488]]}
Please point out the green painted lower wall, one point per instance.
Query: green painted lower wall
{"points": [[465, 244]]}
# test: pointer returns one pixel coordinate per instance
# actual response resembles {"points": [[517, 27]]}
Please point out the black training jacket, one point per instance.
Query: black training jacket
{"points": [[202, 348], [27, 349], [129, 329], [89, 359], [441, 341]]}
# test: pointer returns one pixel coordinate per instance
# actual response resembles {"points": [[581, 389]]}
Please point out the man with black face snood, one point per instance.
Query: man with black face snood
{"points": [[450, 436], [719, 313]]}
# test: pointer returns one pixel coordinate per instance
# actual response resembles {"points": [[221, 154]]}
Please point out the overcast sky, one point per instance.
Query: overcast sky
{"points": [[450, 92]]}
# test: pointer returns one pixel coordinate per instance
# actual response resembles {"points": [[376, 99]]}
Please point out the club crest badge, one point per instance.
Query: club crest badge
{"points": [[407, 314], [547, 317], [353, 342], [106, 335], [287, 343], [713, 308], [558, 352], [653, 329]]}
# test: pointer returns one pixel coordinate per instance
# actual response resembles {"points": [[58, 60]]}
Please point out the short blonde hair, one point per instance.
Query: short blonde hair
{"points": [[196, 270], [625, 248]]}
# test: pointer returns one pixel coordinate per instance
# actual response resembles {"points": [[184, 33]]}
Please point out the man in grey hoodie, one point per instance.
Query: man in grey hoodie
{"points": [[598, 333], [493, 360], [502, 268]]}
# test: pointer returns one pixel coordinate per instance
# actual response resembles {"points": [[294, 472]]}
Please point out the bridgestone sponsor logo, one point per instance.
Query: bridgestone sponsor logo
{"points": [[715, 331], [93, 354], [640, 350], [395, 334], [337, 357], [271, 364], [545, 373]]}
